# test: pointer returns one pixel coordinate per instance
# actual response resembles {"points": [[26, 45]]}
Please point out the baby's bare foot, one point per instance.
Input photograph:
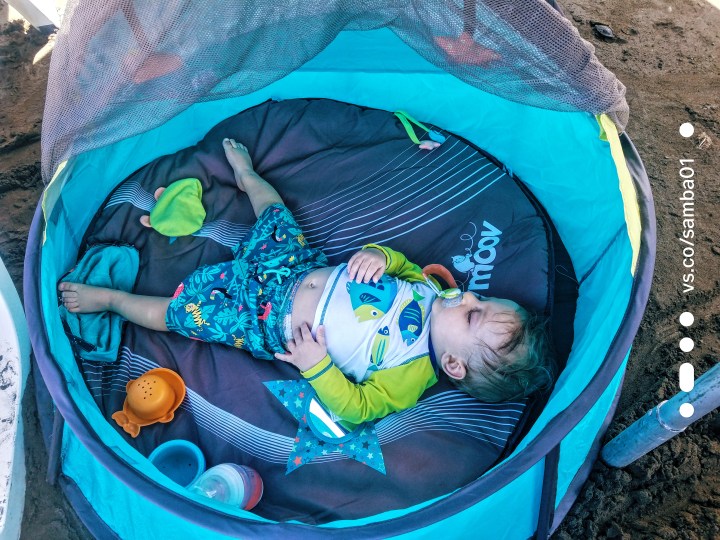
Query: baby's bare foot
{"points": [[239, 159], [78, 298]]}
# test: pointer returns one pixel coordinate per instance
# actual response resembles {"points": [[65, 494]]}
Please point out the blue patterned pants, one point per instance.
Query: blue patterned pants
{"points": [[246, 302]]}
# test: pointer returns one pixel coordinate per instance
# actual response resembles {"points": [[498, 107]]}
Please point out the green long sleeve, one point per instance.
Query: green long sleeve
{"points": [[385, 391], [399, 266]]}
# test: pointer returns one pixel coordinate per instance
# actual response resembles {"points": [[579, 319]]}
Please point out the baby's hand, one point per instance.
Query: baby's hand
{"points": [[367, 264], [303, 351]]}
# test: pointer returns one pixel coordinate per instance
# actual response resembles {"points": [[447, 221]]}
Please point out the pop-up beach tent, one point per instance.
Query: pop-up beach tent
{"points": [[140, 94]]}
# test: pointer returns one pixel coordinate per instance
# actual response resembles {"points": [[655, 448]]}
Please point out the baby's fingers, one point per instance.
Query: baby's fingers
{"points": [[284, 357], [320, 334], [306, 334], [353, 264], [373, 272], [366, 270], [360, 266]]}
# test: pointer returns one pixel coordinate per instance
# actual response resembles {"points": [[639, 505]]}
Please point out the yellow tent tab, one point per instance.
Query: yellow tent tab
{"points": [[51, 195], [608, 132]]}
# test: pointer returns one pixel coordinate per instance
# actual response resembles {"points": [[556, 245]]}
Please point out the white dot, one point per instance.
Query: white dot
{"points": [[686, 377], [686, 344], [687, 410], [687, 129], [687, 318]]}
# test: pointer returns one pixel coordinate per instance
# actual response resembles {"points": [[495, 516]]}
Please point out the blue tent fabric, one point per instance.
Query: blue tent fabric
{"points": [[97, 335], [564, 162]]}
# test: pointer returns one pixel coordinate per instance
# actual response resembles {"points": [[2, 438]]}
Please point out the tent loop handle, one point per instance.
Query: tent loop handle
{"points": [[408, 121], [53, 469]]}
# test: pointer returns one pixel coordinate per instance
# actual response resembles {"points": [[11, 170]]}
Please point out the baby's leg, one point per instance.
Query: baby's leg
{"points": [[146, 311], [261, 193]]}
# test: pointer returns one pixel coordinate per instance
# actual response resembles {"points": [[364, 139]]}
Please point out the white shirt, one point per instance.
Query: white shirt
{"points": [[372, 326]]}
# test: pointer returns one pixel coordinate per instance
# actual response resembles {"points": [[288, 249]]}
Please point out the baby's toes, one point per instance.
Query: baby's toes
{"points": [[70, 303], [69, 295], [238, 146]]}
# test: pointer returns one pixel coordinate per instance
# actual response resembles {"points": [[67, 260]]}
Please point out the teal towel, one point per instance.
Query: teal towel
{"points": [[96, 336]]}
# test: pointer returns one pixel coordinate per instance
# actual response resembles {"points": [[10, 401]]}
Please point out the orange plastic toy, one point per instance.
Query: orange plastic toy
{"points": [[154, 397]]}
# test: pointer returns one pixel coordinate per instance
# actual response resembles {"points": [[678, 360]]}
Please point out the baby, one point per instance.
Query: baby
{"points": [[370, 336]]}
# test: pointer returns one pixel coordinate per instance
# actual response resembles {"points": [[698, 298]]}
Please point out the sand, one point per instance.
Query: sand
{"points": [[667, 54]]}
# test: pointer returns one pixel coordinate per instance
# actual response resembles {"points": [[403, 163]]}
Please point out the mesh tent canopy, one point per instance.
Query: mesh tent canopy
{"points": [[121, 68]]}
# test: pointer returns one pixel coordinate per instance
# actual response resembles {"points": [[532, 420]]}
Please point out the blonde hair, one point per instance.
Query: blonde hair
{"points": [[521, 366]]}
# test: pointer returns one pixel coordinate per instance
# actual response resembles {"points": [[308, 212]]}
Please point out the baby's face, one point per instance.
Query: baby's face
{"points": [[459, 329]]}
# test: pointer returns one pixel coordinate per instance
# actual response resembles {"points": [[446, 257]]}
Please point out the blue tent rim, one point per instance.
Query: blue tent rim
{"points": [[212, 519], [582, 474]]}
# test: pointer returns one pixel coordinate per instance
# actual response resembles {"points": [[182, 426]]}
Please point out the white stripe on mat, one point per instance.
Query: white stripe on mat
{"points": [[223, 232], [368, 195], [311, 209], [417, 197], [421, 200], [429, 415], [134, 193], [363, 239]]}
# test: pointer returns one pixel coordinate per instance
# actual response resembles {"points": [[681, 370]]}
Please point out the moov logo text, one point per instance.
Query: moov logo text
{"points": [[477, 263]]}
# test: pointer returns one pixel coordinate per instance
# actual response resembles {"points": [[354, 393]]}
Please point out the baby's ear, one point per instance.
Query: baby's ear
{"points": [[453, 366], [145, 220]]}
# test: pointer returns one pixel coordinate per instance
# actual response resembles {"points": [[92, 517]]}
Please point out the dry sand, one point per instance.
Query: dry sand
{"points": [[667, 54]]}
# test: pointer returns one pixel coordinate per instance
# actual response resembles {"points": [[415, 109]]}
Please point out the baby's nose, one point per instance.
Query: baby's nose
{"points": [[471, 298]]}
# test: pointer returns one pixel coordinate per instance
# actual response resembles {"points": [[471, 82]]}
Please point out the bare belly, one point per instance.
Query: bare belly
{"points": [[307, 296]]}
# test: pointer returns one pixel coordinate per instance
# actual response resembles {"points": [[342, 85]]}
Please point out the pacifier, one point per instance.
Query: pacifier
{"points": [[451, 297], [153, 397]]}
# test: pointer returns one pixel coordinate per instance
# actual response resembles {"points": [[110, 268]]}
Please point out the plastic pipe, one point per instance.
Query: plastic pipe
{"points": [[39, 13], [664, 421]]}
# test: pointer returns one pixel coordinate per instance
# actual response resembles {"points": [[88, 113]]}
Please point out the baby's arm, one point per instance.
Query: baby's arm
{"points": [[374, 260], [386, 391]]}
